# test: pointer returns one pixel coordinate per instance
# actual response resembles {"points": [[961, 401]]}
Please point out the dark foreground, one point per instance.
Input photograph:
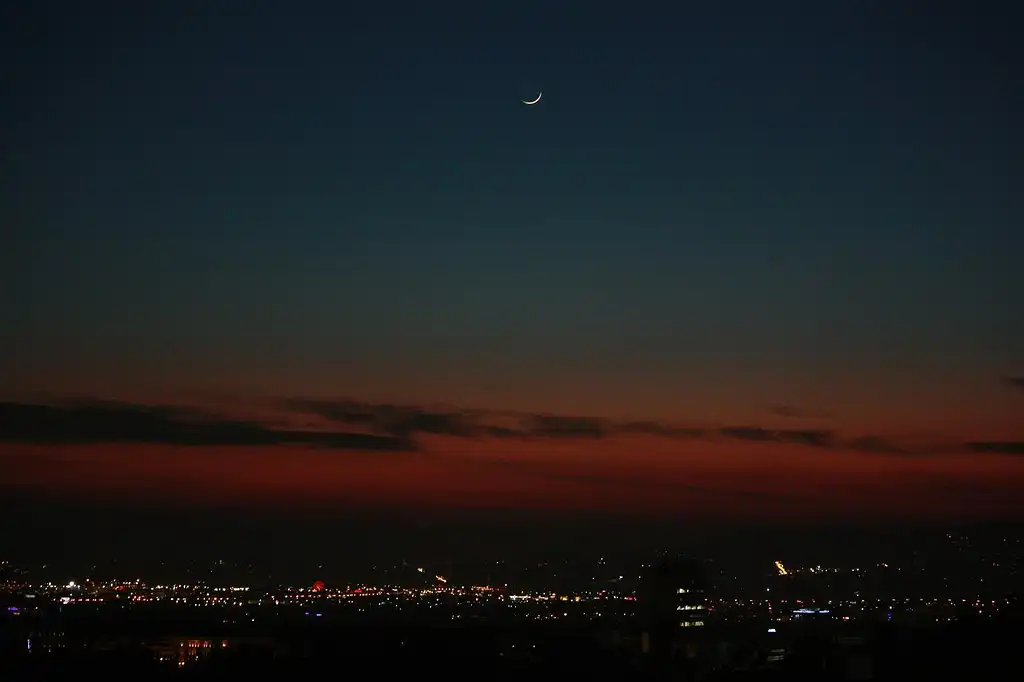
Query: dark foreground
{"points": [[980, 651]]}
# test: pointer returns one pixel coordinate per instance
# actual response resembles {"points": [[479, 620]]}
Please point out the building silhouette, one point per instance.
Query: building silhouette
{"points": [[673, 606]]}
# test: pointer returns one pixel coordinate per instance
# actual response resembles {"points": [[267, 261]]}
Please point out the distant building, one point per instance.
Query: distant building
{"points": [[673, 603]]}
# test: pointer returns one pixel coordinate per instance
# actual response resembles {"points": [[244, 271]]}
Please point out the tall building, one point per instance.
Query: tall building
{"points": [[674, 605]]}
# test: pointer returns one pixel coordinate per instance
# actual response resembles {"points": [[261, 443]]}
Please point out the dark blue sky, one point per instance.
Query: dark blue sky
{"points": [[809, 202]]}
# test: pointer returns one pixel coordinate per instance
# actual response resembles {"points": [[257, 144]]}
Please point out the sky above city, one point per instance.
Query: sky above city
{"points": [[741, 261]]}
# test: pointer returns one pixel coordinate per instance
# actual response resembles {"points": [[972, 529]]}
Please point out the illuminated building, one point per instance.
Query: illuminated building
{"points": [[674, 604]]}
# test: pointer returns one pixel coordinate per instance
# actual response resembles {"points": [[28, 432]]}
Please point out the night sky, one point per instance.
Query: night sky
{"points": [[742, 261]]}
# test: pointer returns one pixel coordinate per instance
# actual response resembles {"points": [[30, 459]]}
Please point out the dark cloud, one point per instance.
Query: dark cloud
{"points": [[811, 437], [655, 429], [546, 426], [997, 447], [393, 420], [1014, 382], [500, 432], [406, 421], [388, 427], [797, 413], [82, 422], [875, 445]]}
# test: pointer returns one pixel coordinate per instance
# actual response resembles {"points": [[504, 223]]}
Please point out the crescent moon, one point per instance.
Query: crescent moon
{"points": [[534, 101]]}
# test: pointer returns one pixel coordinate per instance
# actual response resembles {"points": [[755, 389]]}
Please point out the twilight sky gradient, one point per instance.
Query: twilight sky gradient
{"points": [[761, 260]]}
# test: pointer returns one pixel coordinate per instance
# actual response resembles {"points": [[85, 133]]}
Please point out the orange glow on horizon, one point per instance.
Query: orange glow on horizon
{"points": [[641, 474]]}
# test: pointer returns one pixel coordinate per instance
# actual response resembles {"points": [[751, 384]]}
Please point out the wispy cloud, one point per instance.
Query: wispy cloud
{"points": [[811, 437], [546, 426], [393, 420], [408, 421], [82, 422], [1014, 382], [355, 425], [876, 445], [1010, 447]]}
